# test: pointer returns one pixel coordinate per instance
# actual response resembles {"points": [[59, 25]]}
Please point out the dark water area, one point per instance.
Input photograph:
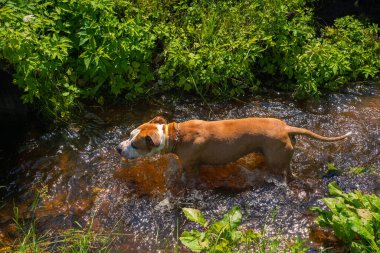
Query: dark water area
{"points": [[14, 118], [13, 113], [326, 11], [85, 181]]}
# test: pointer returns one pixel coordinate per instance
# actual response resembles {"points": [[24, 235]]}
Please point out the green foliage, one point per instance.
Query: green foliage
{"points": [[84, 239], [346, 51], [195, 215], [332, 170], [361, 170], [354, 217], [220, 236], [225, 236], [63, 50], [29, 241], [212, 45], [67, 51]]}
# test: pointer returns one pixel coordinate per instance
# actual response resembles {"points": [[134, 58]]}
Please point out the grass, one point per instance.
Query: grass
{"points": [[75, 240], [225, 236], [354, 218], [86, 240]]}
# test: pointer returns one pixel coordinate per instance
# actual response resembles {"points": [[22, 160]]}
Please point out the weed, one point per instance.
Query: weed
{"points": [[28, 240], [331, 171], [225, 236], [361, 170], [354, 217], [76, 240]]}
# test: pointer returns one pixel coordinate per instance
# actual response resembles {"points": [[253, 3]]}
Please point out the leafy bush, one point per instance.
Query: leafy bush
{"points": [[224, 235], [354, 217], [345, 52], [62, 50], [224, 47], [212, 47], [67, 51]]}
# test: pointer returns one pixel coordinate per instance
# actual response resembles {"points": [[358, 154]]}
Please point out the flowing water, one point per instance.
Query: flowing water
{"points": [[85, 181]]}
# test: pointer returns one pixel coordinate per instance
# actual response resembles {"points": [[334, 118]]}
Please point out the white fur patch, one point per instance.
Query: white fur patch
{"points": [[161, 133]]}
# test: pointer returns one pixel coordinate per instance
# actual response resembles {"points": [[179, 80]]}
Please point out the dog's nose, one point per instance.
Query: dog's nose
{"points": [[118, 148]]}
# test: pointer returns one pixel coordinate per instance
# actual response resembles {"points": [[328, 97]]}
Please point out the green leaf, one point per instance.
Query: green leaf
{"points": [[83, 40], [250, 235], [230, 221], [236, 235], [375, 202], [233, 217], [354, 218], [87, 61], [135, 65], [195, 215], [194, 240], [364, 231], [334, 189], [377, 217]]}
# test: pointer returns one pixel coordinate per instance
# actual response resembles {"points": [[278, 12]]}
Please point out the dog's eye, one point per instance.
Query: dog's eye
{"points": [[133, 146], [149, 141]]}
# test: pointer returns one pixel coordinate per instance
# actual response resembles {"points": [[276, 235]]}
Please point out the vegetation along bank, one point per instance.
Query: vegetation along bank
{"points": [[62, 53]]}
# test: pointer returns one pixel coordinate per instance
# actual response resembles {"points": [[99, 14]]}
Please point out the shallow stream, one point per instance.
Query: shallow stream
{"points": [[85, 180]]}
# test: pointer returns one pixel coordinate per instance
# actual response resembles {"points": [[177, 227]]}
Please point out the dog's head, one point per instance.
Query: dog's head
{"points": [[147, 139]]}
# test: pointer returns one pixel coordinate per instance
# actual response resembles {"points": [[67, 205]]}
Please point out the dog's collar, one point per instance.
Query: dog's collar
{"points": [[166, 126], [167, 148], [176, 140]]}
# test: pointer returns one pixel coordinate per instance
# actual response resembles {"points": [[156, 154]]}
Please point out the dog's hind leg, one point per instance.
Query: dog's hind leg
{"points": [[278, 161]]}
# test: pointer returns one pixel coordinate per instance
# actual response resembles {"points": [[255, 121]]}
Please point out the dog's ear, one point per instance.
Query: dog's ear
{"points": [[158, 120], [153, 140]]}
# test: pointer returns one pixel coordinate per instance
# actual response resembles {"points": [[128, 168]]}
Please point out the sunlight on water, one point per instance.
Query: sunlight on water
{"points": [[88, 182]]}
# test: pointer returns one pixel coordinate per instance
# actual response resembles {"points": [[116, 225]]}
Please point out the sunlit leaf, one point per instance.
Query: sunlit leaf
{"points": [[195, 215], [194, 240]]}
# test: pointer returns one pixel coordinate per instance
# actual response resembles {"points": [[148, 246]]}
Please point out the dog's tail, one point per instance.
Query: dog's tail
{"points": [[302, 131]]}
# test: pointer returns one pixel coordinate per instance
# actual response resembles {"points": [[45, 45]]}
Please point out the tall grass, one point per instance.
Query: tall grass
{"points": [[75, 240]]}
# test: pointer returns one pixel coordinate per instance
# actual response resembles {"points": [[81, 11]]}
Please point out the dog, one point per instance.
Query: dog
{"points": [[198, 142]]}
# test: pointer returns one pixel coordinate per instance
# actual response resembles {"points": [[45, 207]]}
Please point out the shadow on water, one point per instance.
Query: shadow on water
{"points": [[87, 181]]}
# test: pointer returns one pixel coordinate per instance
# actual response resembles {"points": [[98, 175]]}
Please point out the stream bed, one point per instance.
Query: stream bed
{"points": [[84, 180]]}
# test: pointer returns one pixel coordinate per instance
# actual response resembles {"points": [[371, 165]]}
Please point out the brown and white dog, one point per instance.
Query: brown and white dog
{"points": [[198, 142]]}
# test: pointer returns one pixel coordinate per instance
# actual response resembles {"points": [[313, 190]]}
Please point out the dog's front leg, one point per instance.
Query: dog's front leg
{"points": [[191, 173]]}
